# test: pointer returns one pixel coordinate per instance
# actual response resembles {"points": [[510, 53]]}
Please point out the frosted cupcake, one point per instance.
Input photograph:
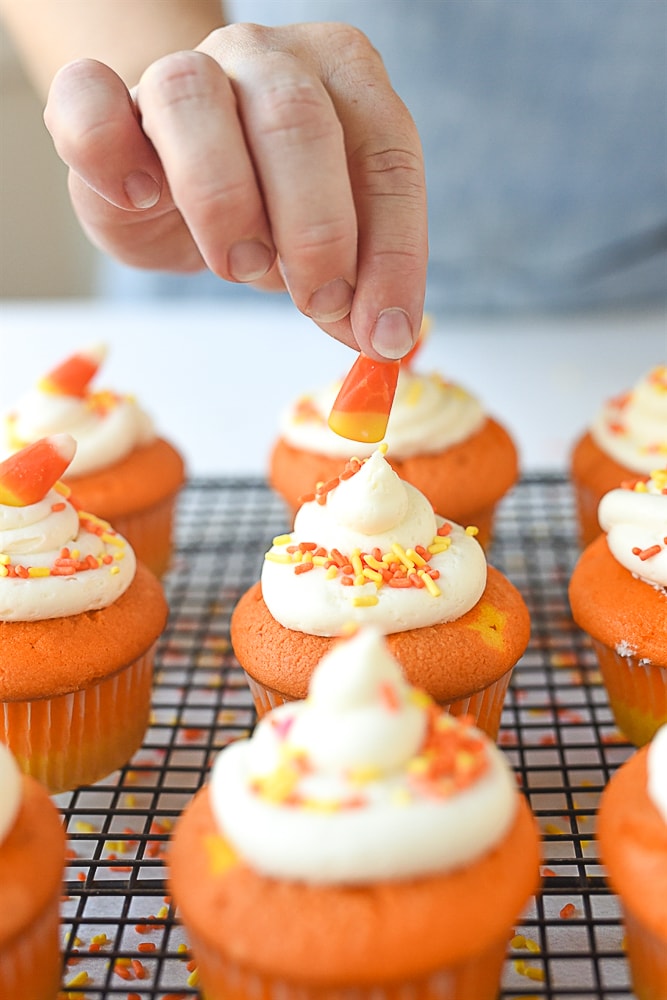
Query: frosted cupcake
{"points": [[79, 618], [632, 831], [626, 441], [349, 845], [618, 595], [32, 859], [369, 549], [439, 439], [122, 470]]}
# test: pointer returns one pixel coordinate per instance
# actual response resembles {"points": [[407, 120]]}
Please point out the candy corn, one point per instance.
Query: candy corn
{"points": [[71, 378], [363, 405], [28, 475]]}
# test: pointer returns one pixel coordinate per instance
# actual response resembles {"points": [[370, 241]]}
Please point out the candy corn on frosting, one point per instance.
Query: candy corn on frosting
{"points": [[618, 595], [368, 548], [78, 621], [122, 470], [368, 822], [627, 438]]}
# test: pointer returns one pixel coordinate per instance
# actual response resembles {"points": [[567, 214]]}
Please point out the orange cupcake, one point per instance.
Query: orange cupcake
{"points": [[369, 549], [632, 832], [627, 439], [122, 470], [32, 859], [618, 595], [328, 849], [439, 439], [79, 617]]}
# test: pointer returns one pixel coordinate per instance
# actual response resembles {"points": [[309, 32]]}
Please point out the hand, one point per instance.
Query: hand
{"points": [[274, 156]]}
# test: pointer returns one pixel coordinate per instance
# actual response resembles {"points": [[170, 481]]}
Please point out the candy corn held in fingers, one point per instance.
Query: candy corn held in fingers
{"points": [[28, 475], [362, 407], [71, 378]]}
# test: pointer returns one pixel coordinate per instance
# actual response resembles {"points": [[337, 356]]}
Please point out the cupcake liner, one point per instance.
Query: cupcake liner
{"points": [[149, 532], [637, 693], [31, 964], [77, 738], [647, 956], [484, 706], [477, 978]]}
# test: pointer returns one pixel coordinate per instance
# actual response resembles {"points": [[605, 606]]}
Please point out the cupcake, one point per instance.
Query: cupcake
{"points": [[347, 848], [32, 860], [627, 439], [439, 439], [632, 833], [368, 548], [618, 595], [122, 470], [79, 617]]}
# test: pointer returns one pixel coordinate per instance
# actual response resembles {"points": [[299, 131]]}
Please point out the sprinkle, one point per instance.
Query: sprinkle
{"points": [[472, 530], [568, 911], [389, 696], [303, 567], [282, 539], [57, 507], [433, 590], [80, 979], [645, 554], [365, 601]]}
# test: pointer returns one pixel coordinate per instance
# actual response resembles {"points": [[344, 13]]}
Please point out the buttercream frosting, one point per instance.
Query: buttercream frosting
{"points": [[370, 549], [106, 425], [10, 791], [56, 560], [428, 415], [656, 766], [635, 520], [632, 428], [366, 779]]}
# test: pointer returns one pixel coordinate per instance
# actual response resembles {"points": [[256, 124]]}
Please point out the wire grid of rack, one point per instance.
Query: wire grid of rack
{"points": [[122, 937]]}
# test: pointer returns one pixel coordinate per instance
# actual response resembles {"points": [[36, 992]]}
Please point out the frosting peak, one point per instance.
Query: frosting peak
{"points": [[635, 520], [632, 428], [368, 548], [366, 779]]}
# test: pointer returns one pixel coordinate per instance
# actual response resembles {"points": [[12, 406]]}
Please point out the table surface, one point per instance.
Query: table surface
{"points": [[556, 730], [215, 378]]}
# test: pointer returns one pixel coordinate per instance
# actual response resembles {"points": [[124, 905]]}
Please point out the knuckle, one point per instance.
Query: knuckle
{"points": [[296, 105], [324, 238], [179, 78], [392, 170]]}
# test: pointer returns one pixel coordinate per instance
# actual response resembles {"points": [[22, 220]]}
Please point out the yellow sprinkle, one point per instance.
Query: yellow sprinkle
{"points": [[182, 949], [4, 559], [419, 698], [360, 580], [112, 540], [356, 563], [429, 583], [319, 560], [375, 563], [82, 827], [297, 556], [415, 557], [278, 557], [365, 601], [435, 548], [75, 553], [390, 557], [371, 574], [641, 488], [114, 570], [99, 939], [3, 570], [282, 539], [553, 829], [193, 978], [399, 551], [532, 946], [518, 941], [332, 572], [124, 962], [39, 571], [62, 489], [80, 979], [131, 800], [383, 448], [472, 530], [163, 913]]}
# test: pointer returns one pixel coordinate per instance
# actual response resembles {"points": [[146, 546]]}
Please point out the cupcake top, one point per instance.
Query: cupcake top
{"points": [[367, 547], [55, 560], [106, 425], [656, 766], [635, 520], [367, 779], [632, 428], [428, 415], [10, 791]]}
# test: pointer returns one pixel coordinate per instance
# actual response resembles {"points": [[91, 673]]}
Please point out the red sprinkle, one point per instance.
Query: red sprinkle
{"points": [[645, 554]]}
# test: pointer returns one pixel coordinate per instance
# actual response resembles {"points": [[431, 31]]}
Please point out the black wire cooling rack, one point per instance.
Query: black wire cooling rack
{"points": [[122, 939]]}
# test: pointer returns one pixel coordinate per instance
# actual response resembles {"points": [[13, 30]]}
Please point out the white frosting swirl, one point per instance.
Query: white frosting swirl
{"points": [[106, 426], [373, 509], [352, 785], [635, 521], [427, 416], [632, 428], [656, 764], [39, 581], [10, 791]]}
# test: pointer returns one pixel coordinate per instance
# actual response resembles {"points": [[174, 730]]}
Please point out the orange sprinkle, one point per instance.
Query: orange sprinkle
{"points": [[146, 946], [303, 567], [139, 969], [645, 554], [568, 911], [444, 530], [389, 697]]}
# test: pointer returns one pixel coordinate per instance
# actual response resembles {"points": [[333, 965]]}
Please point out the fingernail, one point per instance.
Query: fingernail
{"points": [[249, 260], [392, 334], [330, 302], [142, 189]]}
